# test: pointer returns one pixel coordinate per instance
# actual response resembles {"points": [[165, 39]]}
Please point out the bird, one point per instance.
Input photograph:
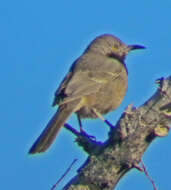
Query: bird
{"points": [[95, 84]]}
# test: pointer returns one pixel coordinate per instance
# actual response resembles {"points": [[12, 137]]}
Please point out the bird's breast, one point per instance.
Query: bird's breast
{"points": [[109, 96]]}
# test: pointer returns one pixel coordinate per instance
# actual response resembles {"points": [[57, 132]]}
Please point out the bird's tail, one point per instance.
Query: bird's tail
{"points": [[50, 132]]}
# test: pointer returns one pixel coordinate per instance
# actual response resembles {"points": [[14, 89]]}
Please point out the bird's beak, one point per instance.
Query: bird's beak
{"points": [[134, 47]]}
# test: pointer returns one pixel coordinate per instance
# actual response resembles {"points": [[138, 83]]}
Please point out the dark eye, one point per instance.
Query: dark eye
{"points": [[112, 55]]}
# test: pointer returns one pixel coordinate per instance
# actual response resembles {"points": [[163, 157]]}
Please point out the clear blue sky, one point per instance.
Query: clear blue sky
{"points": [[39, 40]]}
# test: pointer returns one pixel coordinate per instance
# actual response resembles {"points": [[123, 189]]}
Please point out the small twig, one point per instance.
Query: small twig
{"points": [[61, 178], [138, 167], [148, 176]]}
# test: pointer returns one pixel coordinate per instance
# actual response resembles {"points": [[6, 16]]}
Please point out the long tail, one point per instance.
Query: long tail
{"points": [[50, 132]]}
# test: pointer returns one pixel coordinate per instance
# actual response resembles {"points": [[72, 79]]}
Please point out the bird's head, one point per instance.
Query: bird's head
{"points": [[111, 46]]}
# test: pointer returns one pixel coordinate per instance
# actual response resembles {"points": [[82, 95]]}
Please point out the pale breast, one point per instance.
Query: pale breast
{"points": [[108, 98]]}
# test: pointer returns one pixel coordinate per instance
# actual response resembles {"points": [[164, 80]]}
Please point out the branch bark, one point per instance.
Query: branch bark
{"points": [[108, 162]]}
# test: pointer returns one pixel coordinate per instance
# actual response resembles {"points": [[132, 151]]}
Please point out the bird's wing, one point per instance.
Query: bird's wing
{"points": [[86, 76], [60, 94], [85, 83]]}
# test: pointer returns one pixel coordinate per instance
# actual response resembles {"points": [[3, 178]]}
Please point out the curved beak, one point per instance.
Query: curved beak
{"points": [[134, 47]]}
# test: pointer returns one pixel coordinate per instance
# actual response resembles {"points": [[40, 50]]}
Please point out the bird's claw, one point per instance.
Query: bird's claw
{"points": [[85, 134]]}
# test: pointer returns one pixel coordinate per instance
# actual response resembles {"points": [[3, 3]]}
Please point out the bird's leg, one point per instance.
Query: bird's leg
{"points": [[82, 130], [99, 115], [80, 123]]}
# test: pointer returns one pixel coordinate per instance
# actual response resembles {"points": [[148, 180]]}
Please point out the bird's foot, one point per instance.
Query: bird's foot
{"points": [[109, 124], [85, 134], [99, 115]]}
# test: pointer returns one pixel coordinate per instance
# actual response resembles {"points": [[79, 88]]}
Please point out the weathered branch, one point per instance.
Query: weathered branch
{"points": [[127, 142]]}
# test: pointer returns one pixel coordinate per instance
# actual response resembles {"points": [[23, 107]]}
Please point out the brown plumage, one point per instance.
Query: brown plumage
{"points": [[96, 82]]}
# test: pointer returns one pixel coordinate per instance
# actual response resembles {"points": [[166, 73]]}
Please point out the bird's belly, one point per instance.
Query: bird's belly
{"points": [[108, 98]]}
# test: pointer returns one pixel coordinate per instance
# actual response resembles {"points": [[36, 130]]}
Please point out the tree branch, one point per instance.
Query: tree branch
{"points": [[108, 162]]}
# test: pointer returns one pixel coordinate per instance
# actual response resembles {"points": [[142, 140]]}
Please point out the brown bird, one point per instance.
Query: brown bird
{"points": [[95, 85]]}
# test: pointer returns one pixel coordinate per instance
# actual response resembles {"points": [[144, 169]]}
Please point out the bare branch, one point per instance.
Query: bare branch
{"points": [[134, 132]]}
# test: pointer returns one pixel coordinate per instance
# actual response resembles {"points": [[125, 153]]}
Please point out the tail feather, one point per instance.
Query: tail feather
{"points": [[50, 132]]}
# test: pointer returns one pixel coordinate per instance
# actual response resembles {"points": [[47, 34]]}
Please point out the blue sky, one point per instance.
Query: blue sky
{"points": [[39, 40]]}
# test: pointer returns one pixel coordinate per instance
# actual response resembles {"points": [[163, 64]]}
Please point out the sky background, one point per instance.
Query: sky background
{"points": [[39, 40]]}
